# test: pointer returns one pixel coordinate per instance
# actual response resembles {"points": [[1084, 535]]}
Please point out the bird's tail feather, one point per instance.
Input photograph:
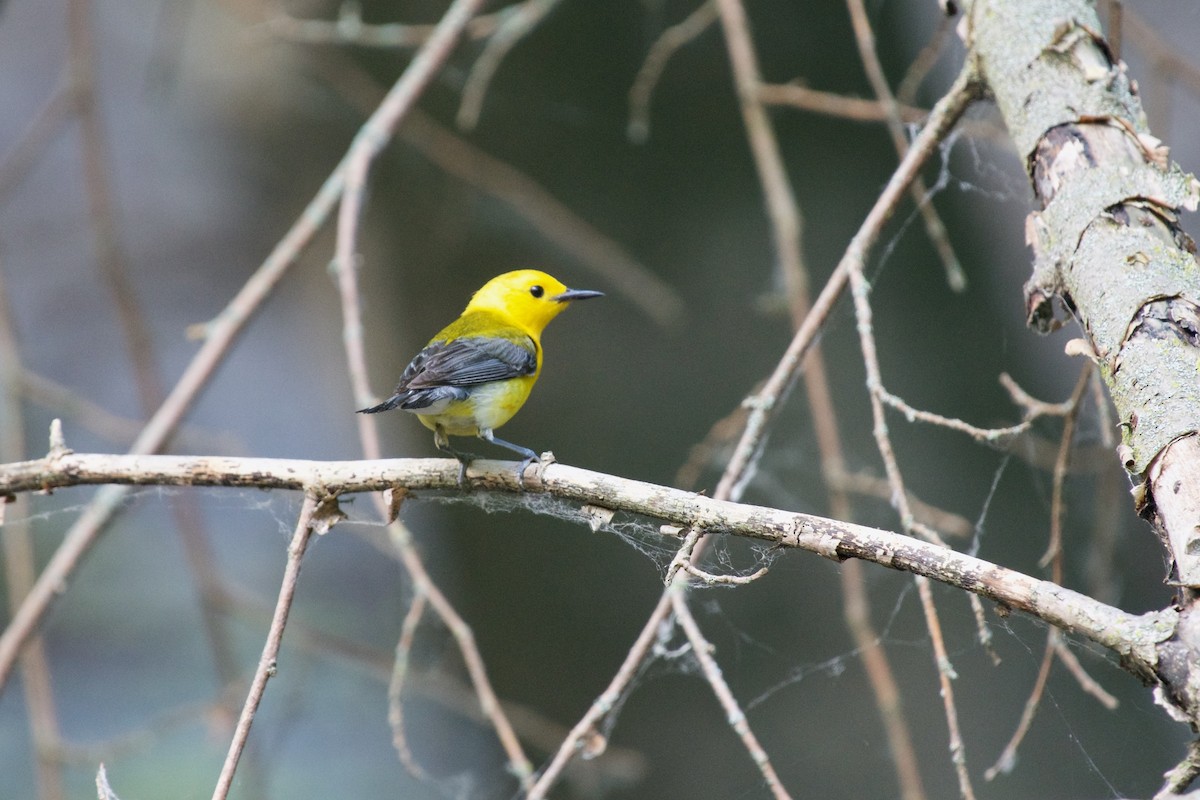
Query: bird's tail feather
{"points": [[386, 405]]}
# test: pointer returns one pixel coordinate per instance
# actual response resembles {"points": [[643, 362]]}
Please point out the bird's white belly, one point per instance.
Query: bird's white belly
{"points": [[489, 406]]}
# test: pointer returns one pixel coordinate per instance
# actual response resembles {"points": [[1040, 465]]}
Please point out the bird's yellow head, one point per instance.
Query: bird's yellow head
{"points": [[527, 297]]}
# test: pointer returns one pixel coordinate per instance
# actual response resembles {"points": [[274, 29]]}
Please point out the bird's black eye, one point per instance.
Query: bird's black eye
{"points": [[536, 291]]}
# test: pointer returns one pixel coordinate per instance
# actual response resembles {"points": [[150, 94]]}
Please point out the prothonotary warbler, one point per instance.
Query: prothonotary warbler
{"points": [[477, 372]]}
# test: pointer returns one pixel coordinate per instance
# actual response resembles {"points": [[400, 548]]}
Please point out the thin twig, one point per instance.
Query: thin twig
{"points": [[1062, 464], [1106, 521], [20, 571], [400, 668], [863, 314], [103, 790], [862, 310], [860, 290], [786, 223], [379, 129], [349, 29], [267, 663], [512, 30], [1008, 756], [1086, 682], [38, 134], [867, 485], [981, 435], [946, 675], [934, 227], [1034, 407], [858, 109], [464, 637], [832, 104], [1053, 556], [734, 715], [665, 46], [857, 611], [718, 580], [914, 76], [683, 555]]}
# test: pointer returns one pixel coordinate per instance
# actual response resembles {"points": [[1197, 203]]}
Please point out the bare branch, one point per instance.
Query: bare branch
{"points": [[1129, 635], [267, 663], [702, 650], [941, 120]]}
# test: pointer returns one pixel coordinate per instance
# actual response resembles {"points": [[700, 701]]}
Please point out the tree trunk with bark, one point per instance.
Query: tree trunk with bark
{"points": [[1107, 246]]}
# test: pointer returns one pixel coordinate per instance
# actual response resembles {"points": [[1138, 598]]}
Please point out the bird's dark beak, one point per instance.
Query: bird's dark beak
{"points": [[575, 294]]}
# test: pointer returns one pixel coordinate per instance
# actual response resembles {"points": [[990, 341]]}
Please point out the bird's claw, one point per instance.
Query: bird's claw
{"points": [[463, 463], [542, 461]]}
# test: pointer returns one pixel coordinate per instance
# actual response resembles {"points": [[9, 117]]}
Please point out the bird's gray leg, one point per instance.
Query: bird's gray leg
{"points": [[530, 457], [442, 442]]}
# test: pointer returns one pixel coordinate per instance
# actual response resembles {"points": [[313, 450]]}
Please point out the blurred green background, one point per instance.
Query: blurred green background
{"points": [[217, 132]]}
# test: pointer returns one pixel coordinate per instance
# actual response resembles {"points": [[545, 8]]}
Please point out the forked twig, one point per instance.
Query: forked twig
{"points": [[1008, 756], [513, 29], [936, 229], [665, 46], [862, 311], [1054, 558], [941, 120], [464, 637]]}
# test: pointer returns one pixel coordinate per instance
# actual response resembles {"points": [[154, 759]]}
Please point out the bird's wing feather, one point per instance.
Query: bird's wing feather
{"points": [[469, 361]]}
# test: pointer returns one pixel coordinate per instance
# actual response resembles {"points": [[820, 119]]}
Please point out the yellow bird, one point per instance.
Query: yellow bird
{"points": [[478, 371]]}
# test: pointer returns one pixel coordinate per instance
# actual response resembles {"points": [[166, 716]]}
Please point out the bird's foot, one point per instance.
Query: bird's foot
{"points": [[463, 462], [541, 462]]}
